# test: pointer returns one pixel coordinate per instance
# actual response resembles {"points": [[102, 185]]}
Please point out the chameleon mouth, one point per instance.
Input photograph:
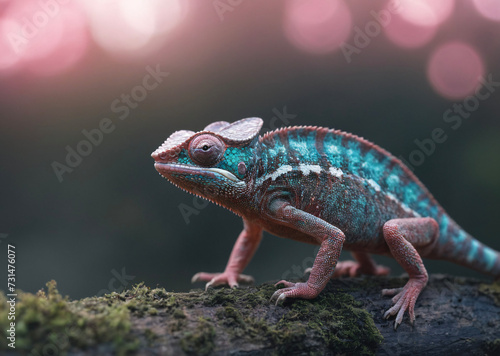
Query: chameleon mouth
{"points": [[169, 168]]}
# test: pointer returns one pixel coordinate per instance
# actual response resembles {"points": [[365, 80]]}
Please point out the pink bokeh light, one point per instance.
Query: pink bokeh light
{"points": [[72, 46], [454, 70], [136, 27], [43, 37], [489, 9], [425, 12], [317, 26], [9, 58], [48, 37], [37, 31], [408, 35]]}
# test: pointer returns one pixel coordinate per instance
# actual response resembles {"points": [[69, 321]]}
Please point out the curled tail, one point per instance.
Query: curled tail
{"points": [[458, 246]]}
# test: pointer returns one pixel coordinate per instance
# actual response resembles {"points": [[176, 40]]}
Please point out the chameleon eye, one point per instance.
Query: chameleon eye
{"points": [[206, 150]]}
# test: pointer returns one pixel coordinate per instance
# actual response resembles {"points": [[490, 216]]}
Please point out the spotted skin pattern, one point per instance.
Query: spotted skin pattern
{"points": [[324, 187]]}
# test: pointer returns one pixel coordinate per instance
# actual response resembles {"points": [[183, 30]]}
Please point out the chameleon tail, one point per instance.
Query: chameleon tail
{"points": [[458, 246]]}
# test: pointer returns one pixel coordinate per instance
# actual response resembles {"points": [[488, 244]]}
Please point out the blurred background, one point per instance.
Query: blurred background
{"points": [[89, 88]]}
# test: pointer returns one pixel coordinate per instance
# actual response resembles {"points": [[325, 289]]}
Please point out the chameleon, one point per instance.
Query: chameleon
{"points": [[324, 187]]}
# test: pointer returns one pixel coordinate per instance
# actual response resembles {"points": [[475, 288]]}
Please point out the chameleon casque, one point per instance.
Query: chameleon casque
{"points": [[323, 187]]}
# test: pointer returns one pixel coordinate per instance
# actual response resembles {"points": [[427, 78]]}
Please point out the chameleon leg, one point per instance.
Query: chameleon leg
{"points": [[364, 265], [242, 253], [331, 240], [402, 236]]}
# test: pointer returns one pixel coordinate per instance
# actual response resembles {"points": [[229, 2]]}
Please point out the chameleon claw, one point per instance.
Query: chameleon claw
{"points": [[214, 283], [281, 299], [203, 277], [403, 301], [388, 314], [275, 296], [216, 279], [195, 278], [279, 296]]}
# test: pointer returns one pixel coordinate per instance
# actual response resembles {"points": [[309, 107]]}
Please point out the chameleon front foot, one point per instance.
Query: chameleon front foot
{"points": [[294, 290], [404, 299], [214, 279]]}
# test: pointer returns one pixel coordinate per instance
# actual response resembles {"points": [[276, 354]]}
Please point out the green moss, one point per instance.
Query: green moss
{"points": [[172, 302], [230, 316], [492, 290], [200, 341], [227, 296], [178, 314], [141, 300], [219, 296], [333, 319], [233, 321], [150, 335], [47, 322]]}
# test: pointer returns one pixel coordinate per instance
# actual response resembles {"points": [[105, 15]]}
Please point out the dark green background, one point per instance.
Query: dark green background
{"points": [[115, 212]]}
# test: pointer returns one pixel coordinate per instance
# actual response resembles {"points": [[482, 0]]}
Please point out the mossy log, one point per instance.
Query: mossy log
{"points": [[453, 316]]}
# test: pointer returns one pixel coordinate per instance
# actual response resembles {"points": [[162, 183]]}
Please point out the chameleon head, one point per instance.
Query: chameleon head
{"points": [[215, 163]]}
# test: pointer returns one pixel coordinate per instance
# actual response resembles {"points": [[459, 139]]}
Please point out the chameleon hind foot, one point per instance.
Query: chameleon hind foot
{"points": [[402, 236], [353, 269], [215, 279], [404, 299]]}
